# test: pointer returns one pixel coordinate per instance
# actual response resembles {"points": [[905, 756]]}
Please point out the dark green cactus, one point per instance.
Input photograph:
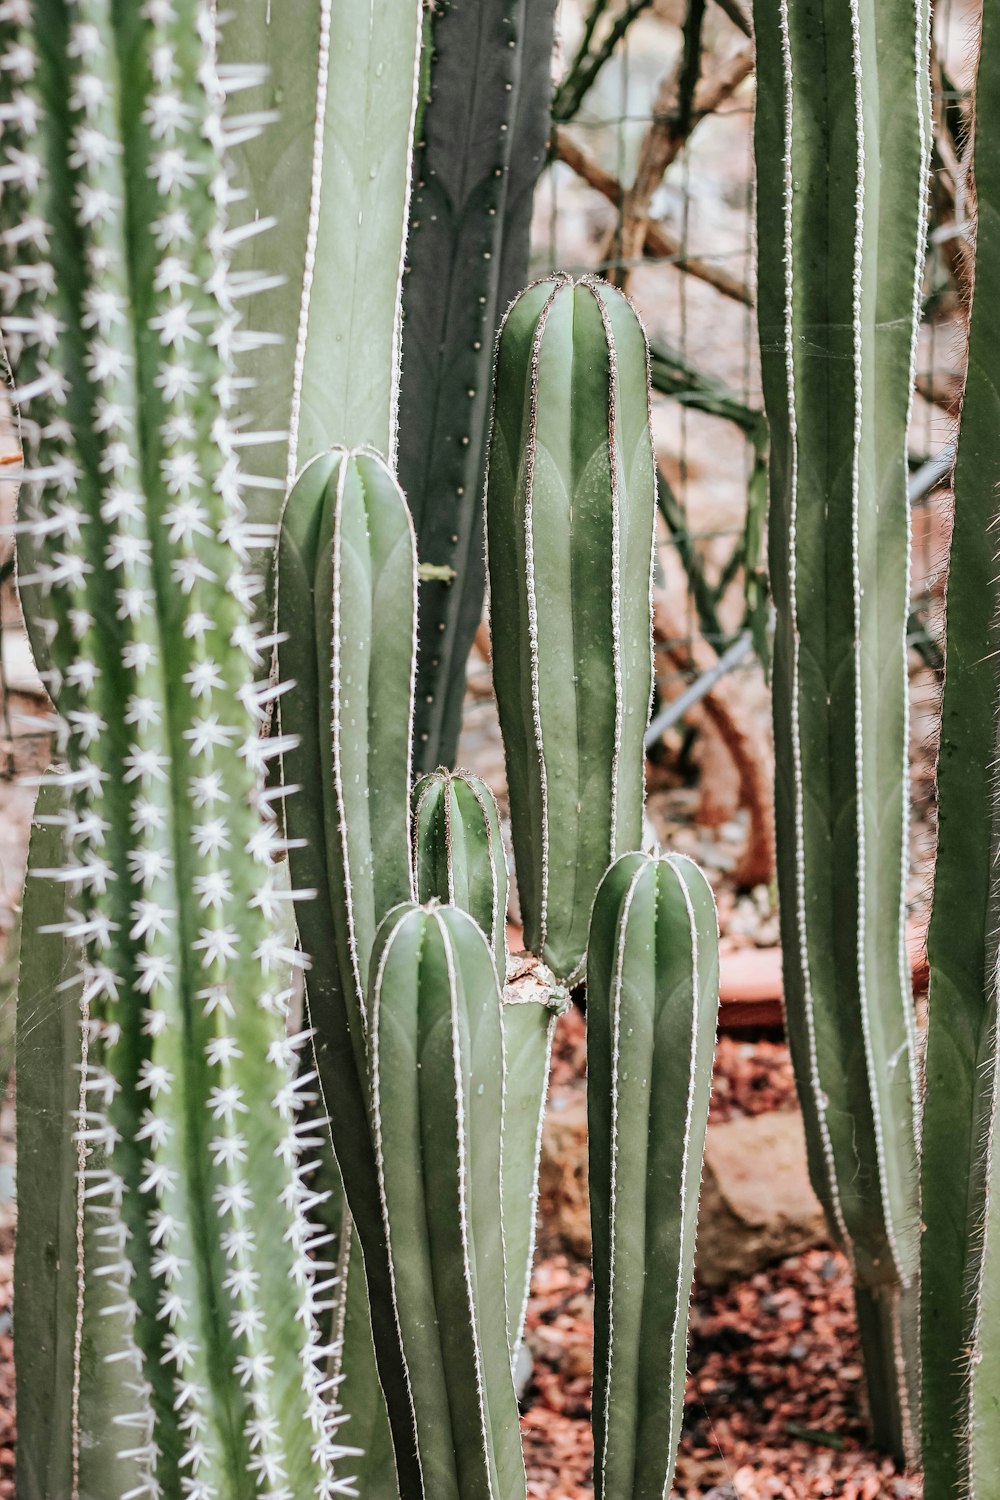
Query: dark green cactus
{"points": [[652, 1003], [484, 129], [959, 1272], [842, 143], [570, 506]]}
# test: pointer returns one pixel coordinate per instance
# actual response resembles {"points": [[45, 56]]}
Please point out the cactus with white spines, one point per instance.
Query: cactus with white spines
{"points": [[190, 1174], [570, 505], [652, 1004], [200, 1285], [959, 1272], [842, 143]]}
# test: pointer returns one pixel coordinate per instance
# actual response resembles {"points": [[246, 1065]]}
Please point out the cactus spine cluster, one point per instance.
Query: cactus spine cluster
{"points": [[842, 141], [191, 1201], [652, 1001], [960, 1278], [570, 502]]}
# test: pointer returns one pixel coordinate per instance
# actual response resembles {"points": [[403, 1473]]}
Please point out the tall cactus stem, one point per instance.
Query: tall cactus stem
{"points": [[842, 181], [132, 543], [481, 147], [436, 1100], [959, 1272], [570, 507], [652, 1003]]}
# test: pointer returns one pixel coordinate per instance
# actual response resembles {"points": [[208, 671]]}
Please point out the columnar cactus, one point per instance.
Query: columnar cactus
{"points": [[437, 1101], [959, 1270], [842, 141], [570, 504], [459, 858], [652, 1002], [345, 609], [483, 135], [189, 1191], [320, 226], [459, 855]]}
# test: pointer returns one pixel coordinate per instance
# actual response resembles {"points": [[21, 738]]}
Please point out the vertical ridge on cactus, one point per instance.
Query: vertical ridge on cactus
{"points": [[842, 181], [436, 1099], [959, 1242], [570, 508], [484, 127], [132, 521], [652, 1003]]}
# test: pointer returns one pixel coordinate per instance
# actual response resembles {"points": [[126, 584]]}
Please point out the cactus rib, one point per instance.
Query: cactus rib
{"points": [[329, 182]]}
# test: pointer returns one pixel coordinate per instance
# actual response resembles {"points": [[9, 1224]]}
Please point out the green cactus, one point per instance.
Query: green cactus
{"points": [[958, 1270], [652, 1003], [532, 1005], [345, 609], [437, 1100], [118, 307], [571, 499], [458, 852], [459, 859], [484, 126], [328, 183], [842, 140], [67, 1400]]}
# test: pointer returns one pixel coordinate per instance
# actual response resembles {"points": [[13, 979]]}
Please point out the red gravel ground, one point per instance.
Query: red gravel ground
{"points": [[773, 1400]]}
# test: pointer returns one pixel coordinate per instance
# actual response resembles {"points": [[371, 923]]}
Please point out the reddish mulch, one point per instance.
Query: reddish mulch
{"points": [[750, 1078], [770, 1360]]}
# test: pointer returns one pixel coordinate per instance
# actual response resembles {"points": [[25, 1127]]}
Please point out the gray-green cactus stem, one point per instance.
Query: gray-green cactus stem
{"points": [[571, 498]]}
